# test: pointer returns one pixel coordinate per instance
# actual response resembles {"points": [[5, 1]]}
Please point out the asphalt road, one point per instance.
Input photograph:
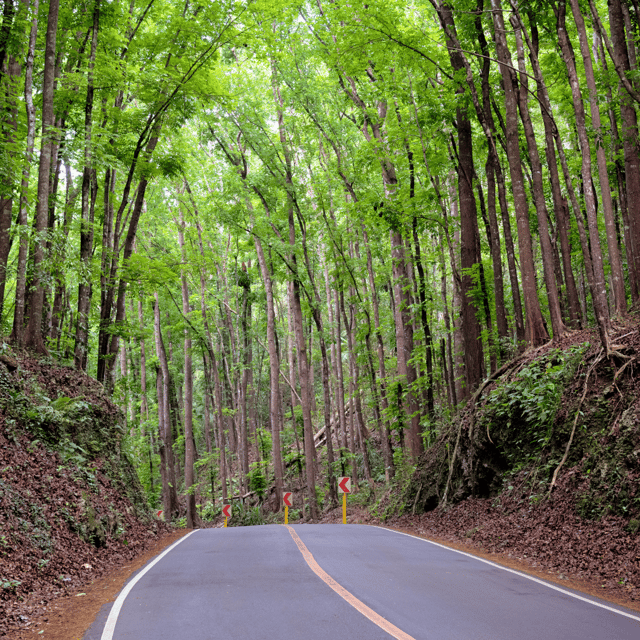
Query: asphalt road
{"points": [[254, 583]]}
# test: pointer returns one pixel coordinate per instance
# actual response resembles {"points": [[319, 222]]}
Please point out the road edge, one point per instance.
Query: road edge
{"points": [[110, 624], [546, 583]]}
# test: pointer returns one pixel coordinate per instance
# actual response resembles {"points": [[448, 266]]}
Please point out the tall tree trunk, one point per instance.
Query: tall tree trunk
{"points": [[340, 374], [23, 216], [109, 358], [469, 236], [34, 338], [617, 277], [305, 392], [144, 404], [428, 341], [596, 279], [245, 285], [630, 140], [360, 434], [538, 190], [404, 341], [536, 332], [189, 453], [617, 150], [491, 167], [274, 374], [86, 224], [169, 494], [559, 203], [8, 129], [385, 437]]}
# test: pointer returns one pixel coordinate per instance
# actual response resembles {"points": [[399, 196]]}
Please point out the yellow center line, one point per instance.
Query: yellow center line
{"points": [[376, 618]]}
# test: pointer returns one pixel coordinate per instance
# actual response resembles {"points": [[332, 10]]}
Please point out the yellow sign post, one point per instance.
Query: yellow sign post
{"points": [[286, 498], [227, 513], [344, 487]]}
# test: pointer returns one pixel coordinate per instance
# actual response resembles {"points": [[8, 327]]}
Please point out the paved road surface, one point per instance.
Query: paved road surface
{"points": [[254, 583]]}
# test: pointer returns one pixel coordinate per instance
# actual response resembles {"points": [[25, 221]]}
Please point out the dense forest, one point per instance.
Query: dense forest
{"points": [[291, 239]]}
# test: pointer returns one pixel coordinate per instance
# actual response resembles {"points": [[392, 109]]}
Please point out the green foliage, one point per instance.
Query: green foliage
{"points": [[257, 479], [8, 584], [521, 412], [263, 437], [247, 516], [209, 511], [392, 502]]}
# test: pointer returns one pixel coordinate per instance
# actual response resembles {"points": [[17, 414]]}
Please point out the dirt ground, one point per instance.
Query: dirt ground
{"points": [[68, 618]]}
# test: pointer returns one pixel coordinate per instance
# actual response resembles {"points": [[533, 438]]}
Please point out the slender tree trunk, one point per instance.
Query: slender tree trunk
{"points": [[469, 236], [536, 332], [34, 338], [538, 190], [617, 277], [361, 429], [492, 165], [597, 281], [617, 150], [385, 437], [340, 374], [144, 405], [274, 374], [127, 251], [169, 494], [8, 131], [86, 224], [630, 139], [21, 275], [305, 392], [559, 204], [245, 285], [189, 453]]}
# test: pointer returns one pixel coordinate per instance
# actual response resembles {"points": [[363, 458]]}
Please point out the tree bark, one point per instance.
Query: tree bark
{"points": [[305, 392], [557, 325], [536, 332], [86, 224], [169, 494], [619, 295], [189, 453], [34, 338], [596, 278], [630, 140], [23, 216], [274, 374], [469, 235]]}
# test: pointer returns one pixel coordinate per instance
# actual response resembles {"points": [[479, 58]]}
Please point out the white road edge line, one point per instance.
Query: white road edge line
{"points": [[110, 624], [518, 573]]}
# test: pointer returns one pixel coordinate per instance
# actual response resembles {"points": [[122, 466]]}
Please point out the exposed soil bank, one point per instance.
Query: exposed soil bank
{"points": [[68, 617], [71, 506]]}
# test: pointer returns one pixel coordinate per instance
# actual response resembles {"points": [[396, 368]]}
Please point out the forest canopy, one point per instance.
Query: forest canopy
{"points": [[273, 228]]}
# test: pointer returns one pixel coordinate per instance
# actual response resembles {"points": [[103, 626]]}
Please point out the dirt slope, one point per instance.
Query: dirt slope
{"points": [[71, 508]]}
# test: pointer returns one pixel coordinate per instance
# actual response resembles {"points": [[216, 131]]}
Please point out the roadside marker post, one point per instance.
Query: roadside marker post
{"points": [[227, 513], [287, 499], [344, 487]]}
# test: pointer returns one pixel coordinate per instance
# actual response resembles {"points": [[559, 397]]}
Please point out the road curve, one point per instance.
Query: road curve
{"points": [[255, 583]]}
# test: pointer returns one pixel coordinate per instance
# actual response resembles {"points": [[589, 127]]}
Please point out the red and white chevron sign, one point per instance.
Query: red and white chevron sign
{"points": [[344, 485]]}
